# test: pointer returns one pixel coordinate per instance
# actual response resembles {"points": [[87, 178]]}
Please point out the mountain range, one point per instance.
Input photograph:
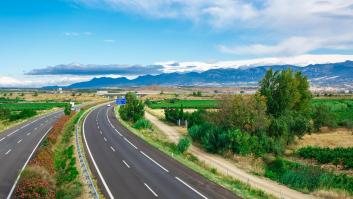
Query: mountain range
{"points": [[331, 74]]}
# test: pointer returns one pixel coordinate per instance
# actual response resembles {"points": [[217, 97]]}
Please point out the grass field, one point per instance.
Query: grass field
{"points": [[175, 103], [31, 106], [343, 108]]}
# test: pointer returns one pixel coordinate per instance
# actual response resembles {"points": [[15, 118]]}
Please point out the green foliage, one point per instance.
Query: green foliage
{"points": [[175, 103], [306, 178], [285, 91], [133, 110], [174, 114], [27, 113], [340, 111], [32, 106], [67, 110], [65, 166], [247, 113], [142, 124], [4, 114], [322, 115], [197, 94], [336, 156], [183, 144]]}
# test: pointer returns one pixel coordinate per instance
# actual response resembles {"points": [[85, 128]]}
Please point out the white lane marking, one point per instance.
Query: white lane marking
{"points": [[19, 141], [128, 166], [130, 143], [98, 126], [24, 166], [149, 188], [8, 151], [154, 161], [2, 139], [105, 139], [28, 134], [112, 124], [190, 187], [101, 132], [13, 132], [112, 148], [36, 128], [94, 162]]}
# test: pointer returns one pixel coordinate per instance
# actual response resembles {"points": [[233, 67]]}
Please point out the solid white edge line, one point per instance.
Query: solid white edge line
{"points": [[94, 162], [24, 166], [128, 166], [154, 161], [190, 187], [149, 188], [2, 139], [130, 143]]}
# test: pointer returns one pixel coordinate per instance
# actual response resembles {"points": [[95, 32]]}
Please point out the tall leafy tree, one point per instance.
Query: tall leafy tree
{"points": [[134, 108]]}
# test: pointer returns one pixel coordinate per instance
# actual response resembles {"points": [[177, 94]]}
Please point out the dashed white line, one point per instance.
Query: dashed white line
{"points": [[101, 132], [28, 134], [130, 143], [149, 188], [2, 139], [112, 149], [128, 166], [154, 161], [19, 141], [8, 151], [105, 139], [190, 187]]}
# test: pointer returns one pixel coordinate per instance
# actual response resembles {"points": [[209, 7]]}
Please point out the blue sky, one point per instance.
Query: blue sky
{"points": [[37, 34]]}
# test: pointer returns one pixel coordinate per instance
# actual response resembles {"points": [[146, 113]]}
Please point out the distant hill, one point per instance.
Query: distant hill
{"points": [[335, 74]]}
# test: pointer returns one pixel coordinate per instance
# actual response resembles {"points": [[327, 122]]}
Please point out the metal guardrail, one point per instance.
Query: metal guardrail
{"points": [[93, 190]]}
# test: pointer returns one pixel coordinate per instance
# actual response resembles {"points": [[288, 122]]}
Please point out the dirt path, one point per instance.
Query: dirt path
{"points": [[226, 167]]}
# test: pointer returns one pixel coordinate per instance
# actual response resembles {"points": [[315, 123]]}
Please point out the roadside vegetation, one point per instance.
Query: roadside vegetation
{"points": [[177, 103], [145, 130], [264, 125], [52, 172]]}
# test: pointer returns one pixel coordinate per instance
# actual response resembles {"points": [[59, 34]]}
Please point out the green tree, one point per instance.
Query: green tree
{"points": [[67, 109], [134, 108], [285, 91], [183, 144], [247, 113]]}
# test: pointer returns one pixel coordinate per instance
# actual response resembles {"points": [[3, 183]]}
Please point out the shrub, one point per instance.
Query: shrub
{"points": [[337, 156], [183, 144], [142, 124], [27, 113], [306, 178]]}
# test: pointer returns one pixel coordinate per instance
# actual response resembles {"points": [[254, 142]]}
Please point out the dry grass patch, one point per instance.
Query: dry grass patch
{"points": [[335, 138]]}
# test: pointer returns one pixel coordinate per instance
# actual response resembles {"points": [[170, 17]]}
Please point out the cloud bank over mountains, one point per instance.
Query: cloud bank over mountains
{"points": [[66, 74]]}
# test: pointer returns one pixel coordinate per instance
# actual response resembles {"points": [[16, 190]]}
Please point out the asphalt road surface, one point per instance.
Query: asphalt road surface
{"points": [[128, 167], [17, 145]]}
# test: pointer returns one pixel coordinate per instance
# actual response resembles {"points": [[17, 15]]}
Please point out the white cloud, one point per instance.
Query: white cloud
{"points": [[295, 26]]}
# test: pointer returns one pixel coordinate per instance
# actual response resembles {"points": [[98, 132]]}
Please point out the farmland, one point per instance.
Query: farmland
{"points": [[176, 103], [342, 108], [31, 106]]}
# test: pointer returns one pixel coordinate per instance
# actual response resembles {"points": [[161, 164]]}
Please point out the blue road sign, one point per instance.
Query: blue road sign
{"points": [[121, 101]]}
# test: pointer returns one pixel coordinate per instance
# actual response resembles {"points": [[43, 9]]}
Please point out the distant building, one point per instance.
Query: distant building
{"points": [[60, 90], [102, 92]]}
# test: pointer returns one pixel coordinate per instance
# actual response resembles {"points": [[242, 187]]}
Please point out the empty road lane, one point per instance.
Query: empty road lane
{"points": [[17, 145], [128, 167]]}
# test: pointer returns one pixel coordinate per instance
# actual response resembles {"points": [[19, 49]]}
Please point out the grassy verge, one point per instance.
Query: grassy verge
{"points": [[160, 142]]}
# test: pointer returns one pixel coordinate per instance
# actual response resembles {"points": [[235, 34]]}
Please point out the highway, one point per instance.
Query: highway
{"points": [[128, 167], [17, 145]]}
